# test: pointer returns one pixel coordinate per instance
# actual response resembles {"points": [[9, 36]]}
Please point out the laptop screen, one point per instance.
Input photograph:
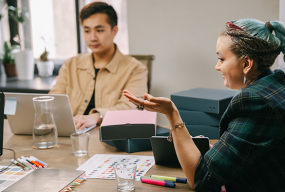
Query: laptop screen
{"points": [[1, 121]]}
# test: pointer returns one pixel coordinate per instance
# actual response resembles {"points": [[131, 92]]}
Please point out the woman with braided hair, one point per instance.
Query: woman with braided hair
{"points": [[250, 153]]}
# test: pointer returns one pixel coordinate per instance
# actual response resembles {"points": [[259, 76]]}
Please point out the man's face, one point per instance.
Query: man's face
{"points": [[98, 33]]}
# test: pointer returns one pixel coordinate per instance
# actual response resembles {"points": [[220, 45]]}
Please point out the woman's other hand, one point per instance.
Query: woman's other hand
{"points": [[157, 104]]}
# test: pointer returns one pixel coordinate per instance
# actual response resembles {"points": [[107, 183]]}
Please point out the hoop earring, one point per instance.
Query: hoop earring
{"points": [[244, 79]]}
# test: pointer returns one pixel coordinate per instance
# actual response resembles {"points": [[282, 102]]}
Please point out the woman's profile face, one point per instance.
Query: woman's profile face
{"points": [[229, 65]]}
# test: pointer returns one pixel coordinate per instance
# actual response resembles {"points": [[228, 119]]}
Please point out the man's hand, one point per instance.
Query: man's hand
{"points": [[83, 121]]}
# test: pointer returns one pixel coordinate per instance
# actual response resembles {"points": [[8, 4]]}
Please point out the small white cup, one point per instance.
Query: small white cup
{"points": [[80, 143], [125, 176]]}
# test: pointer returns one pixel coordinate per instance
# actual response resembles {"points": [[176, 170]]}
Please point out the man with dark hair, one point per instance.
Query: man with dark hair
{"points": [[95, 81]]}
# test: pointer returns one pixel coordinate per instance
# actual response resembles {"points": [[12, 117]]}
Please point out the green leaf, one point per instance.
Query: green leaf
{"points": [[8, 56], [17, 14]]}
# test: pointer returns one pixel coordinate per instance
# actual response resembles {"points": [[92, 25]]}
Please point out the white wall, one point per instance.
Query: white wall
{"points": [[182, 35], [282, 20]]}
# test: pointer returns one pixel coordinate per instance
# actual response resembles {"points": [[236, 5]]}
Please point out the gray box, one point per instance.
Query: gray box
{"points": [[135, 145], [203, 99], [208, 131], [127, 131], [200, 118]]}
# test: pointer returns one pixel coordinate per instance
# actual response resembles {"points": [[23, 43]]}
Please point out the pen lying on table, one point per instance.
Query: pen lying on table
{"points": [[157, 182], [175, 179]]}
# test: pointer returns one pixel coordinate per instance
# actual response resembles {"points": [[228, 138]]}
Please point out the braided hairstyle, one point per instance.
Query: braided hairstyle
{"points": [[272, 32]]}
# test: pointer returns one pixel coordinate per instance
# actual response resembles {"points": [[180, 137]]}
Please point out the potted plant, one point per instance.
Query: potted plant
{"points": [[24, 59], [8, 59], [44, 65]]}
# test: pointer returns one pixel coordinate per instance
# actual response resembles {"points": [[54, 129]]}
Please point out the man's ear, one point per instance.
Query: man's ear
{"points": [[115, 30], [247, 65]]}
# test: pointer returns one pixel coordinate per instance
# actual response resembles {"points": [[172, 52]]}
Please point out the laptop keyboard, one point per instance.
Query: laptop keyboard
{"points": [[85, 129]]}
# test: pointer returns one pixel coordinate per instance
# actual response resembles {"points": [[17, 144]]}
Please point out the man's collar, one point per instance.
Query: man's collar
{"points": [[112, 66]]}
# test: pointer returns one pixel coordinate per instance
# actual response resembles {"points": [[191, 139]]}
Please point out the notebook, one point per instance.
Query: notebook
{"points": [[45, 180], [21, 119]]}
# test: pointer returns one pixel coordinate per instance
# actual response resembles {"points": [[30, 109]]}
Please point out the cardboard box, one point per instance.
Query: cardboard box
{"points": [[135, 145], [208, 131], [203, 99], [128, 124], [200, 118]]}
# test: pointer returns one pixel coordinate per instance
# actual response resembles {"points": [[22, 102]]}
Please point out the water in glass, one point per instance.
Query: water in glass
{"points": [[126, 185], [125, 176]]}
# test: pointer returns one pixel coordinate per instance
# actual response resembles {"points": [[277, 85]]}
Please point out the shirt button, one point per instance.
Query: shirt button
{"points": [[86, 101]]}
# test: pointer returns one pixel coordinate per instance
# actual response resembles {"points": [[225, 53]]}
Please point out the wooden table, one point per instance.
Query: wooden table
{"points": [[61, 157]]}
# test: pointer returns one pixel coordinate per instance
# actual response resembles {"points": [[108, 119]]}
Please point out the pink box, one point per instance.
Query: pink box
{"points": [[128, 124]]}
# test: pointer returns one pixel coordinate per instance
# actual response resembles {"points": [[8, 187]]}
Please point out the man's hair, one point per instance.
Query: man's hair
{"points": [[99, 7]]}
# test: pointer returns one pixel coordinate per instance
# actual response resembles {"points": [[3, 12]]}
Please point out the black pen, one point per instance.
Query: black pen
{"points": [[31, 163]]}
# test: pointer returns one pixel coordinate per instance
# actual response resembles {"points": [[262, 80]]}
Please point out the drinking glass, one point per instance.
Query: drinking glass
{"points": [[80, 142], [44, 131], [125, 176]]}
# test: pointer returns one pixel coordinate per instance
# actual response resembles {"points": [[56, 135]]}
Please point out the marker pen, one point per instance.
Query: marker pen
{"points": [[40, 164], [31, 162], [156, 182], [175, 179], [31, 165], [39, 161], [18, 164], [24, 163], [35, 163], [156, 179], [35, 160]]}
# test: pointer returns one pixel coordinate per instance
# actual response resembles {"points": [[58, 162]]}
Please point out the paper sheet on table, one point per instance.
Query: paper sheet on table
{"points": [[12, 175], [100, 166]]}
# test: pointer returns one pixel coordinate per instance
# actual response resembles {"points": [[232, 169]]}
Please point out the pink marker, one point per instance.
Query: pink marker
{"points": [[29, 163], [156, 182]]}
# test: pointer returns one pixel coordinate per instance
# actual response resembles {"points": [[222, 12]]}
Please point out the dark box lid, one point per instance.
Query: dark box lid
{"points": [[203, 99]]}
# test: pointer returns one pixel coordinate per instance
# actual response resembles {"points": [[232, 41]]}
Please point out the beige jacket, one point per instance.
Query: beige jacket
{"points": [[123, 72]]}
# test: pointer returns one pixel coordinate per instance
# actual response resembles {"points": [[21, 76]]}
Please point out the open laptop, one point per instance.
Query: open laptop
{"points": [[23, 120], [164, 151]]}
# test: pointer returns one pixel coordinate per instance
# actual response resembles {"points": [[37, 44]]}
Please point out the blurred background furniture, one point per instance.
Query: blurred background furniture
{"points": [[44, 85], [147, 61]]}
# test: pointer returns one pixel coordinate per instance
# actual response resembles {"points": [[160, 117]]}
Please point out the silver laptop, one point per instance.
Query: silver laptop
{"points": [[23, 120]]}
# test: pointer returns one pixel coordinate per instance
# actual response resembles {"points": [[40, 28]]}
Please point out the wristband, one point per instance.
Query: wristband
{"points": [[180, 125]]}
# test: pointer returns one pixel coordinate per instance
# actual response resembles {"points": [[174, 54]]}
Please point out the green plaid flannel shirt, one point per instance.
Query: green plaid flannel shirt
{"points": [[250, 155]]}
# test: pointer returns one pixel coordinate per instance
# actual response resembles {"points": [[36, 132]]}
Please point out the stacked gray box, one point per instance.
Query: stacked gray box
{"points": [[202, 108]]}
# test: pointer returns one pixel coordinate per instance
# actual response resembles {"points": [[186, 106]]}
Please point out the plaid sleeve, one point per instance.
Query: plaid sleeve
{"points": [[250, 128]]}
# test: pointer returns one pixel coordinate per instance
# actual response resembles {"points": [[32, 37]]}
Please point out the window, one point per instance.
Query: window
{"points": [[53, 24], [4, 25], [55, 21]]}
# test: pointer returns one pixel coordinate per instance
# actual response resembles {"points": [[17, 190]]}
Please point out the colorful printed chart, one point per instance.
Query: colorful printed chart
{"points": [[11, 175], [100, 166]]}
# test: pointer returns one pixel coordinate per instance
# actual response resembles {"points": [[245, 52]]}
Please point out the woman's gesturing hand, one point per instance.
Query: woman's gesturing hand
{"points": [[157, 104]]}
